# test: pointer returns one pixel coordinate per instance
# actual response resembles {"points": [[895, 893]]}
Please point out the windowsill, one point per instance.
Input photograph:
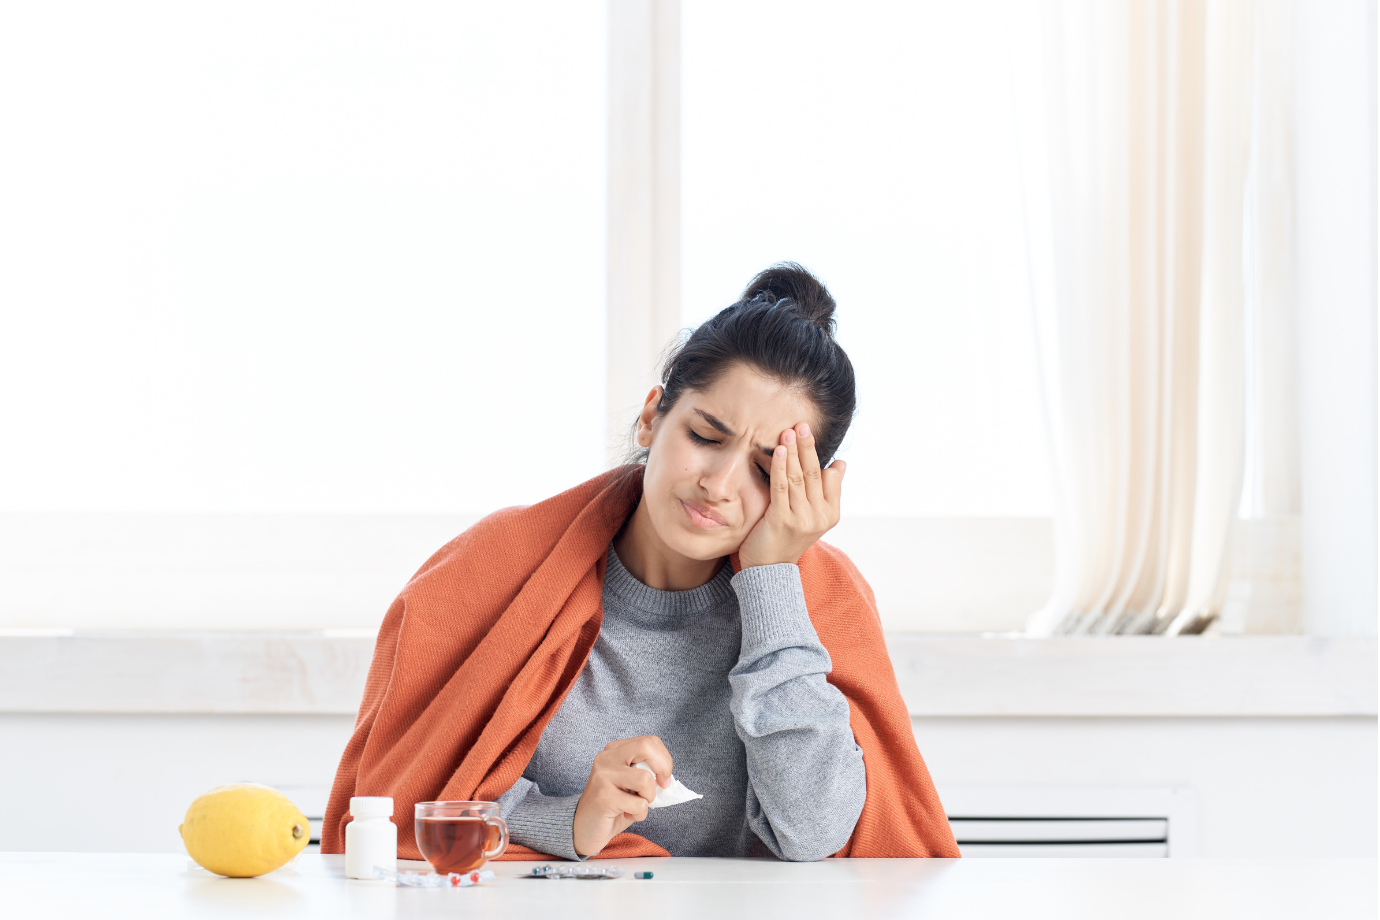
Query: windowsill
{"points": [[1142, 676], [322, 673]]}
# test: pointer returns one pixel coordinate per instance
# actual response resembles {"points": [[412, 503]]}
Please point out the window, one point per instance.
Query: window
{"points": [[267, 257], [873, 143], [290, 294]]}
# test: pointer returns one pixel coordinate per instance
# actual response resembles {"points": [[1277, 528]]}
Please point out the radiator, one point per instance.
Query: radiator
{"points": [[1073, 822]]}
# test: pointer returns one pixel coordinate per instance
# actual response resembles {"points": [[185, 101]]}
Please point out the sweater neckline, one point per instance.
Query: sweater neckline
{"points": [[666, 604]]}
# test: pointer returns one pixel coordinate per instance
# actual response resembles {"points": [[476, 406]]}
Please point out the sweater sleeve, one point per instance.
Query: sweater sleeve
{"points": [[543, 822], [806, 780]]}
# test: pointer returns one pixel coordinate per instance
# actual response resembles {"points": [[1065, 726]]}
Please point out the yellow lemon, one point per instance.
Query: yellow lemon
{"points": [[243, 830]]}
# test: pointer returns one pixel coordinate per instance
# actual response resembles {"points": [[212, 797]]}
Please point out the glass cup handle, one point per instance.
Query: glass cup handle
{"points": [[502, 837]]}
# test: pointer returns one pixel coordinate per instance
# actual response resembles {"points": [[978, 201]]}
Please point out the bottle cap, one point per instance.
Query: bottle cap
{"points": [[371, 806]]}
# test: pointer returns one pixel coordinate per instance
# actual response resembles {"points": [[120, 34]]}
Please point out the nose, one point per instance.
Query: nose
{"points": [[717, 476]]}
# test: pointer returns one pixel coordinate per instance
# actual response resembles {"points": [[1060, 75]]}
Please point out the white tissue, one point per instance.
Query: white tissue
{"points": [[674, 794]]}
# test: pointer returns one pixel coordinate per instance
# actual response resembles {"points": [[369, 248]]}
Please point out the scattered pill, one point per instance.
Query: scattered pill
{"points": [[642, 875]]}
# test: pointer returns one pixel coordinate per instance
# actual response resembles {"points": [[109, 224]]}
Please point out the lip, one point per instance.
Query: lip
{"points": [[701, 516]]}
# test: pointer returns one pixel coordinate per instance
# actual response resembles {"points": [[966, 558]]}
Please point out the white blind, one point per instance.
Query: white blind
{"points": [[874, 143], [300, 257]]}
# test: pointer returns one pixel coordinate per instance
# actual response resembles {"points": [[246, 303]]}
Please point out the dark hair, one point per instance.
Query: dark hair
{"points": [[783, 326]]}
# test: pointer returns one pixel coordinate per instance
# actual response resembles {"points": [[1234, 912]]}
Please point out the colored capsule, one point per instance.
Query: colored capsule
{"points": [[642, 875]]}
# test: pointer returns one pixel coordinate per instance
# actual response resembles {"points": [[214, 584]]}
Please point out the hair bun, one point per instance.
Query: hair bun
{"points": [[790, 281]]}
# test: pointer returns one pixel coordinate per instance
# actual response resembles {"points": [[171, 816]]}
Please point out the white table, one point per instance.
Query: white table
{"points": [[102, 885]]}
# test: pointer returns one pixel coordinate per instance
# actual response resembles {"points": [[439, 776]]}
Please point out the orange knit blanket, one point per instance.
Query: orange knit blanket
{"points": [[483, 644]]}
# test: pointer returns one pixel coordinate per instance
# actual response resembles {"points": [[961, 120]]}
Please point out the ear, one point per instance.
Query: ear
{"points": [[648, 416]]}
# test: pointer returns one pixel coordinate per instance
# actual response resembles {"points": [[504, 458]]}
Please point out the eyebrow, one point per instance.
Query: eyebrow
{"points": [[723, 429]]}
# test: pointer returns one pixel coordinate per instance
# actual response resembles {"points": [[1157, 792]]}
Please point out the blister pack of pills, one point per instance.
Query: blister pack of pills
{"points": [[577, 870], [432, 880]]}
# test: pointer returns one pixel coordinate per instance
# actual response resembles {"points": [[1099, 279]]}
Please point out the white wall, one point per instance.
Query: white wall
{"points": [[122, 783], [1265, 787], [1336, 250]]}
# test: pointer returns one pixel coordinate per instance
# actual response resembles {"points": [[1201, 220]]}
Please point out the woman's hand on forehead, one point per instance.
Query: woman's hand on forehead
{"points": [[804, 502]]}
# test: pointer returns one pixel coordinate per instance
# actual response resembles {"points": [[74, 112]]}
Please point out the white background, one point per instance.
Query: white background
{"points": [[874, 144], [300, 257], [303, 257], [291, 292]]}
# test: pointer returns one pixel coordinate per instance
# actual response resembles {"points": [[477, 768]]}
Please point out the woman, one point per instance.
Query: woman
{"points": [[678, 612]]}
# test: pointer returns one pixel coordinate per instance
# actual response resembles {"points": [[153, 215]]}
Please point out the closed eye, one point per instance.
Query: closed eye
{"points": [[697, 438]]}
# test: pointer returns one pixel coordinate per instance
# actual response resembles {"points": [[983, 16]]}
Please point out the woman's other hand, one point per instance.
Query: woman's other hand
{"points": [[618, 793], [804, 502]]}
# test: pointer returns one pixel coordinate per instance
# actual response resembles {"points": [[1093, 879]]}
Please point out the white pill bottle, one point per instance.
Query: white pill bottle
{"points": [[371, 839]]}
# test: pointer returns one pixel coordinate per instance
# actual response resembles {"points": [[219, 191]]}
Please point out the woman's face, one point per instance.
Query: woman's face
{"points": [[705, 486]]}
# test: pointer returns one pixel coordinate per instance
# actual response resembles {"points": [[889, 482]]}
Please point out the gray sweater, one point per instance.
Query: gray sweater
{"points": [[731, 676]]}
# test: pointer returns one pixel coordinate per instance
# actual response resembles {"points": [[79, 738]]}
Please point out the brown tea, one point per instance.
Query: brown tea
{"points": [[455, 844]]}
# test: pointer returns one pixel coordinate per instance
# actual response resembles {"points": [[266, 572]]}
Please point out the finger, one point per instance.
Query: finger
{"points": [[660, 751], [620, 823], [809, 463], [635, 780], [794, 474], [634, 807], [651, 750], [832, 481], [780, 484]]}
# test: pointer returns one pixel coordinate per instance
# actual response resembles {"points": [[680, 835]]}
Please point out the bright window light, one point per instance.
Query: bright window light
{"points": [[873, 142], [300, 257]]}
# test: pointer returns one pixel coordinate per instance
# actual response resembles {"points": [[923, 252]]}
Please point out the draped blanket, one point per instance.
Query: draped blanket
{"points": [[481, 647]]}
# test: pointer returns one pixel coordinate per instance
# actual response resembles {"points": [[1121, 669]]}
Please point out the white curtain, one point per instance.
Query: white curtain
{"points": [[1271, 488], [1135, 137]]}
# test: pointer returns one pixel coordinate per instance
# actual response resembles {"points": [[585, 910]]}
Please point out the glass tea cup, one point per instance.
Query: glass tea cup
{"points": [[459, 836]]}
